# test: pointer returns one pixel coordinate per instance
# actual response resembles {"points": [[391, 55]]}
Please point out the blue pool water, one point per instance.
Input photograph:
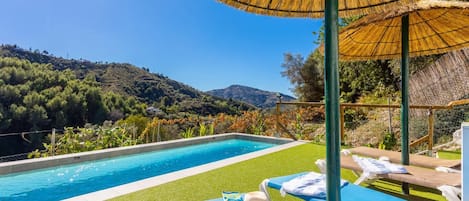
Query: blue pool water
{"points": [[81, 178]]}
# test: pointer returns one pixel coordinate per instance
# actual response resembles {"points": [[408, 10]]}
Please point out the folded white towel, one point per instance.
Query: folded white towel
{"points": [[373, 166], [311, 184]]}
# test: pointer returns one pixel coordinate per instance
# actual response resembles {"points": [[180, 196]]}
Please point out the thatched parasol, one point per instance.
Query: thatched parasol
{"points": [[434, 27], [311, 8], [423, 28], [332, 9]]}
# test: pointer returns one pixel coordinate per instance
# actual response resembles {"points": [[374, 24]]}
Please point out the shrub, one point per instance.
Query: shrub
{"points": [[76, 140]]}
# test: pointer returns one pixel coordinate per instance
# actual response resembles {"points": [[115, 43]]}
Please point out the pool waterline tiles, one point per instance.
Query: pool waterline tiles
{"points": [[109, 164]]}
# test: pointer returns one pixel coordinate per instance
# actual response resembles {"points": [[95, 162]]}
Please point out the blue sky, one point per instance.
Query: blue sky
{"points": [[202, 43]]}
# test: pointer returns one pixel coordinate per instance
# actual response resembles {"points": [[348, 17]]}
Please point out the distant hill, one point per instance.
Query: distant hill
{"points": [[154, 89], [256, 97]]}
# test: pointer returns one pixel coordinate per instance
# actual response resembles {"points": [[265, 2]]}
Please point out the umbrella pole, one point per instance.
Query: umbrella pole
{"points": [[331, 76], [405, 95]]}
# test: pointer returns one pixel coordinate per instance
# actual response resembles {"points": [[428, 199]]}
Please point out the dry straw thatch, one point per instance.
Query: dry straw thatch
{"points": [[434, 27], [311, 8]]}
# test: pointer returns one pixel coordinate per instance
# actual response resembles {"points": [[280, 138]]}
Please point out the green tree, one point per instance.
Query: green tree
{"points": [[358, 78], [306, 76], [96, 110], [35, 96], [5, 121], [37, 116]]}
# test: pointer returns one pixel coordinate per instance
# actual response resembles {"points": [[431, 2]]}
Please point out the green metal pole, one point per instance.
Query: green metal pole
{"points": [[331, 76], [405, 95]]}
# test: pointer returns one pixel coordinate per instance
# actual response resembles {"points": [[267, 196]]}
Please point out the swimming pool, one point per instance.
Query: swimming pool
{"points": [[72, 180]]}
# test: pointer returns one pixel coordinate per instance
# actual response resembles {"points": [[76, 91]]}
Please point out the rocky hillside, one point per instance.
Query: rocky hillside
{"points": [[256, 97]]}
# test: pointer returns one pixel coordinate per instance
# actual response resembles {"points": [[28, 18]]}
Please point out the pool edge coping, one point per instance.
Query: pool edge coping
{"points": [[173, 176]]}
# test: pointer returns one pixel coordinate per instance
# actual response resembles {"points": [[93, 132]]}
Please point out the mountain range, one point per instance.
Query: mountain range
{"points": [[256, 97]]}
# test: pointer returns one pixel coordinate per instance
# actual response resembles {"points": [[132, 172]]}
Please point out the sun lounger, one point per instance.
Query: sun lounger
{"points": [[448, 183], [416, 175], [349, 192], [415, 160]]}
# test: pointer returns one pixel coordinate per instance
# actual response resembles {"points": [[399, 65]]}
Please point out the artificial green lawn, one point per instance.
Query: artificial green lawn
{"points": [[247, 175], [449, 154]]}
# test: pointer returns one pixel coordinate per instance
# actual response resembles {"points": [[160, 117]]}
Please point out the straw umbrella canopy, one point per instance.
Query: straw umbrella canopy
{"points": [[434, 27], [311, 8], [423, 28], [330, 9]]}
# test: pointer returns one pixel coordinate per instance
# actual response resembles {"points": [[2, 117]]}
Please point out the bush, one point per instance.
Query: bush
{"points": [[354, 118], [138, 121], [88, 139], [389, 141]]}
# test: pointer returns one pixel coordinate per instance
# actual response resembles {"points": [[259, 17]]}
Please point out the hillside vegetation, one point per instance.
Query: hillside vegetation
{"points": [[155, 90], [39, 91]]}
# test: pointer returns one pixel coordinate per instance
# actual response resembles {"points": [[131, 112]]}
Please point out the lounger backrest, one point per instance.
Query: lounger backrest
{"points": [[416, 160], [417, 175]]}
